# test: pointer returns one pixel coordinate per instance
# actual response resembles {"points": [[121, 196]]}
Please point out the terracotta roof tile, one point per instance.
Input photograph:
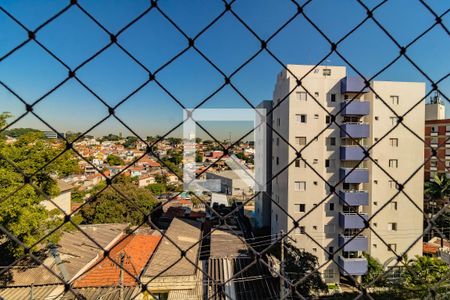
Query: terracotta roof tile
{"points": [[137, 250]]}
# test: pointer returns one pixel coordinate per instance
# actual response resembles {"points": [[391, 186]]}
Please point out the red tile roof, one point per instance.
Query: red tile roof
{"points": [[430, 248], [138, 248]]}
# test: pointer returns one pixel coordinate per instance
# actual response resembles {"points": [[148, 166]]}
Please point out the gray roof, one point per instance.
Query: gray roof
{"points": [[63, 186], [184, 233], [227, 244], [76, 251]]}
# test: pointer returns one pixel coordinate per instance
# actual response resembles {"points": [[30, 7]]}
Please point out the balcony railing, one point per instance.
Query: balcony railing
{"points": [[359, 175], [352, 153], [355, 130], [352, 220], [358, 243], [354, 197], [353, 266], [355, 108]]}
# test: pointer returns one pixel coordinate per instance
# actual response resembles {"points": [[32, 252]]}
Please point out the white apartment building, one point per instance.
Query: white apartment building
{"points": [[328, 221]]}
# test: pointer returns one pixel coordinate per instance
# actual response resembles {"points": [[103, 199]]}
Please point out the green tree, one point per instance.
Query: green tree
{"points": [[198, 158], [298, 264], [423, 273], [114, 160], [130, 142], [111, 207], [157, 188], [436, 197], [21, 212], [18, 132], [374, 269]]}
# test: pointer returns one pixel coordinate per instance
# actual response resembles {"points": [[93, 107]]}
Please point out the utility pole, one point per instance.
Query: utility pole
{"points": [[282, 266]]}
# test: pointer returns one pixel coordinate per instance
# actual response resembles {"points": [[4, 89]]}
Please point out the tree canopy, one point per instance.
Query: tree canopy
{"points": [[21, 212], [111, 207], [114, 160]]}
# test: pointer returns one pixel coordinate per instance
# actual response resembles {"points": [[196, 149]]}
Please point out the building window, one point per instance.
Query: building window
{"points": [[330, 141], [278, 141], [302, 229], [329, 273], [331, 206], [393, 205], [302, 96], [326, 72], [316, 116], [393, 163], [393, 120], [433, 163], [278, 160], [329, 163], [300, 186], [301, 207], [392, 226], [393, 142], [331, 250], [316, 94], [327, 119], [395, 100], [300, 118], [392, 184], [392, 247], [333, 98], [278, 122], [300, 140]]}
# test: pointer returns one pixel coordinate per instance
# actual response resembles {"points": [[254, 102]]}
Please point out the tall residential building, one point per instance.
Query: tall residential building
{"points": [[332, 154], [437, 132], [263, 202]]}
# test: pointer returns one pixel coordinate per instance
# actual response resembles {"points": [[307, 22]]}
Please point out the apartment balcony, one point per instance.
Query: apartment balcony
{"points": [[354, 197], [352, 220], [352, 153], [353, 266], [359, 175], [353, 85], [355, 108], [355, 130], [359, 243]]}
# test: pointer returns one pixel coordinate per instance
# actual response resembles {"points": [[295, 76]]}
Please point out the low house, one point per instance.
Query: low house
{"points": [[235, 183], [63, 200], [145, 180], [170, 275]]}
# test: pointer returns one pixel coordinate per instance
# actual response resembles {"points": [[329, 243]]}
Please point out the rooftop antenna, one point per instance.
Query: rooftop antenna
{"points": [[436, 98]]}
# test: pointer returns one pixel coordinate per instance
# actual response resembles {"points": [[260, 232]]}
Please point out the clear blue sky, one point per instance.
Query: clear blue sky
{"points": [[73, 37]]}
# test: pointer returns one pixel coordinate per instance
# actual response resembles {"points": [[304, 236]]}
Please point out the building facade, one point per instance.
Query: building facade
{"points": [[437, 135], [319, 151]]}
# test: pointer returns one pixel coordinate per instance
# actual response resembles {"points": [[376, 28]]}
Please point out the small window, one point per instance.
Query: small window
{"points": [[392, 247], [376, 118], [315, 161], [329, 163], [392, 226], [278, 141], [333, 98], [393, 142], [330, 249], [331, 141], [393, 205], [392, 184], [393, 163], [302, 229], [326, 72], [316, 94], [315, 227], [316, 116], [302, 118], [278, 160], [300, 186], [394, 120], [329, 273], [327, 119], [301, 207], [314, 249], [300, 140], [301, 96], [331, 206], [395, 100], [433, 163], [297, 163]]}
